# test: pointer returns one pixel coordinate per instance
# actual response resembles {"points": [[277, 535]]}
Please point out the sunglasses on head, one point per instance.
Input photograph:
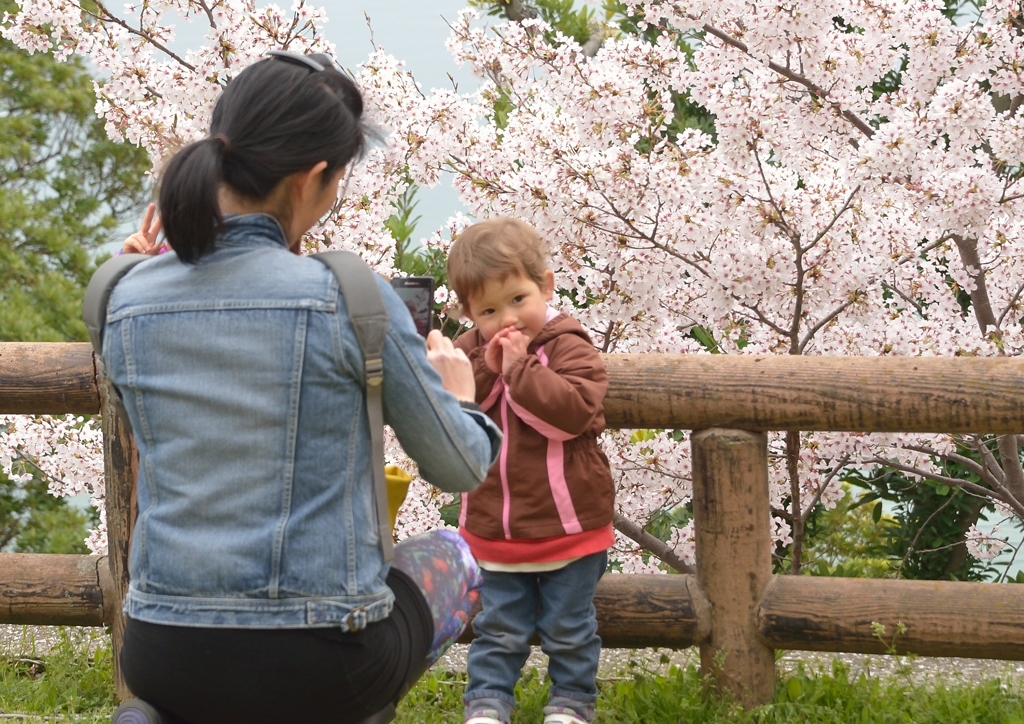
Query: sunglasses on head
{"points": [[318, 62]]}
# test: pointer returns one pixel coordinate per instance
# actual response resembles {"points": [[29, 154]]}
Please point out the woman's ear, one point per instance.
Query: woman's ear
{"points": [[307, 184]]}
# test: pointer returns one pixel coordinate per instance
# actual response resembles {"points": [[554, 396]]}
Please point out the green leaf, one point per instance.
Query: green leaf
{"points": [[876, 514], [865, 499], [705, 338]]}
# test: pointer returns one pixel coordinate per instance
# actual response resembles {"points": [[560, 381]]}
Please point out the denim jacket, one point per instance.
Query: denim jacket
{"points": [[242, 377]]}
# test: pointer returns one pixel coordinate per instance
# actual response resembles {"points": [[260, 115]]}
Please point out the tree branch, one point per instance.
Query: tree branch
{"points": [[797, 520], [989, 476], [825, 320], [1010, 458], [209, 13], [917, 536], [815, 89], [990, 463], [980, 301], [972, 488], [517, 11], [1009, 305], [763, 319], [821, 488], [905, 298], [828, 227], [111, 18], [649, 543], [768, 189]]}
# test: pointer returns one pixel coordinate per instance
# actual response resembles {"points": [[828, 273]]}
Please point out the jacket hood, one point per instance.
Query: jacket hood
{"points": [[562, 324]]}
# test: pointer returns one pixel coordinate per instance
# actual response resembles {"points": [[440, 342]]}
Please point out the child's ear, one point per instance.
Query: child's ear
{"points": [[464, 312], [548, 287]]}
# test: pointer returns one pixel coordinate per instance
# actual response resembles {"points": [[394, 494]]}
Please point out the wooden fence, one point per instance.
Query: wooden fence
{"points": [[734, 608]]}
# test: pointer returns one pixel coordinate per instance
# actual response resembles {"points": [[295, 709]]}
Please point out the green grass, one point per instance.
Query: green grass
{"points": [[803, 696], [73, 682]]}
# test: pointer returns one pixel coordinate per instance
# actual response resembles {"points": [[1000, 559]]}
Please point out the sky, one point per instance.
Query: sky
{"points": [[414, 31], [411, 30]]}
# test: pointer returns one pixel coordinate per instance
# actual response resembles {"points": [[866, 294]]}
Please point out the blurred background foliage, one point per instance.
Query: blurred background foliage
{"points": [[65, 189]]}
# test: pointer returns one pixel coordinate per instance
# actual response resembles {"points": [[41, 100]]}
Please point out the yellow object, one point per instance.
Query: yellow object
{"points": [[398, 485]]}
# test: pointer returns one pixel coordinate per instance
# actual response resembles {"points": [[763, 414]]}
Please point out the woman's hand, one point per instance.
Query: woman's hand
{"points": [[453, 365], [144, 241]]}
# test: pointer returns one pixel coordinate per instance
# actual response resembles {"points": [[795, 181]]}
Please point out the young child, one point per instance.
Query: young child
{"points": [[540, 525]]}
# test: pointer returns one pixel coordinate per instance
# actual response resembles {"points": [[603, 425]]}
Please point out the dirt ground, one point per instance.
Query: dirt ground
{"points": [[30, 641]]}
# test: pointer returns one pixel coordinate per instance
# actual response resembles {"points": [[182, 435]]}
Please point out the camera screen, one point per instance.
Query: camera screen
{"points": [[418, 295]]}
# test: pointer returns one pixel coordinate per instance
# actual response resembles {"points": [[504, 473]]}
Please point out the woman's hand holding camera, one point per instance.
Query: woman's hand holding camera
{"points": [[453, 365]]}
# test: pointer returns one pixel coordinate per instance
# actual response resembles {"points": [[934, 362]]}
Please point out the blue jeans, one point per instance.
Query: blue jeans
{"points": [[559, 607]]}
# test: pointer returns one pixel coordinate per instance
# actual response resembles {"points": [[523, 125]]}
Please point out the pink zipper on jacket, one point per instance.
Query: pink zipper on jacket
{"points": [[555, 458]]}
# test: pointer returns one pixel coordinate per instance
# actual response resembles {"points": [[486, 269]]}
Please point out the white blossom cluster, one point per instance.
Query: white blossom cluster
{"points": [[64, 451], [832, 212], [985, 546]]}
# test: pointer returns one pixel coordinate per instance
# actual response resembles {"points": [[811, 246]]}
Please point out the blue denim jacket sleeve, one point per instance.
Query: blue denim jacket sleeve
{"points": [[453, 447]]}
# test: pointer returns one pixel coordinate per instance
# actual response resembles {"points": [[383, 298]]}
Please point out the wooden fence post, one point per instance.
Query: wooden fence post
{"points": [[733, 541], [120, 468]]}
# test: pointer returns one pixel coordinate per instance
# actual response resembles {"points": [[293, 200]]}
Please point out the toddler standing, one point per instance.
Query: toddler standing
{"points": [[540, 525]]}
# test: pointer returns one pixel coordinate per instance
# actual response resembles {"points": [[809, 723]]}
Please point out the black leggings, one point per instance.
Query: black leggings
{"points": [[279, 676]]}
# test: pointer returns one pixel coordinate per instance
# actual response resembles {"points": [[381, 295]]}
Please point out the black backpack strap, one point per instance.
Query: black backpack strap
{"points": [[369, 318], [94, 314]]}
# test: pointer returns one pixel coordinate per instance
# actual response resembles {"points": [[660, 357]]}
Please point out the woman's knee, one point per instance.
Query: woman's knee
{"points": [[443, 551]]}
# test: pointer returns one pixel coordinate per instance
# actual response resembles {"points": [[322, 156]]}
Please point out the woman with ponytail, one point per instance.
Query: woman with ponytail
{"points": [[259, 592]]}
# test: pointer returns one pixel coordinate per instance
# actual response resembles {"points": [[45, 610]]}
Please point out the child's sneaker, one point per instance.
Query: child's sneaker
{"points": [[561, 715], [484, 716]]}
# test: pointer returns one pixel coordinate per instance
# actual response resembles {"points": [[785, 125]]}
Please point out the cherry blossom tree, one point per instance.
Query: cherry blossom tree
{"points": [[857, 191], [859, 196]]}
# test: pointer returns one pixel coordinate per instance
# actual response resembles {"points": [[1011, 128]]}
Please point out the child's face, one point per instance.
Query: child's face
{"points": [[515, 301]]}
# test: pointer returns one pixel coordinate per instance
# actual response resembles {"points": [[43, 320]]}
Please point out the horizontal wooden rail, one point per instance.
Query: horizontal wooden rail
{"points": [[978, 620], [785, 392], [47, 379], [788, 392], [942, 618], [51, 589], [634, 611], [641, 611]]}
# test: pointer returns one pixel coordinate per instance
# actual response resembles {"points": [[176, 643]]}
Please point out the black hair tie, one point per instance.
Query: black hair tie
{"points": [[225, 143]]}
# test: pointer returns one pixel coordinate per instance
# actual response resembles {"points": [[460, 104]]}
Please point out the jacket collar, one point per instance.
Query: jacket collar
{"points": [[251, 230]]}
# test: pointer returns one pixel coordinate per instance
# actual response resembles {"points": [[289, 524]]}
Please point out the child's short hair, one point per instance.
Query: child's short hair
{"points": [[495, 249]]}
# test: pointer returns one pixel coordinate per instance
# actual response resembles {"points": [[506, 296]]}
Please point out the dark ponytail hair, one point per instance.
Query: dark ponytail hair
{"points": [[276, 118]]}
